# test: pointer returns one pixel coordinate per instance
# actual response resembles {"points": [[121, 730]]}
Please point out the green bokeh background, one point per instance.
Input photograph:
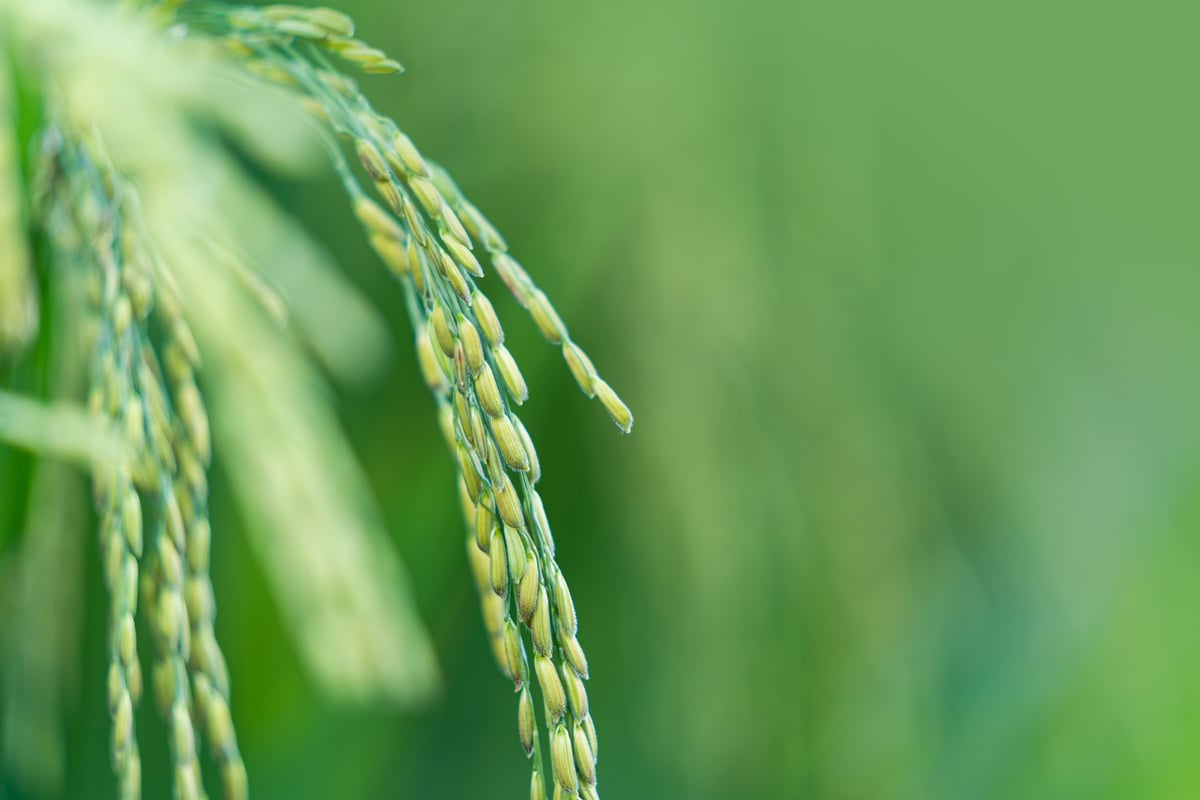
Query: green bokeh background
{"points": [[904, 298]]}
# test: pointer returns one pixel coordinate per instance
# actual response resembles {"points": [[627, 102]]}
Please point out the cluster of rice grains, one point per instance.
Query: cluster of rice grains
{"points": [[154, 528], [427, 232]]}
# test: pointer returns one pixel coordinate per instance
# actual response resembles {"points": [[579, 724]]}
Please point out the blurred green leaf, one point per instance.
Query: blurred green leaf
{"points": [[58, 430]]}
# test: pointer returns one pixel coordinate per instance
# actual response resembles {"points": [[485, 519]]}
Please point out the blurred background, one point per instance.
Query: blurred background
{"points": [[904, 298]]}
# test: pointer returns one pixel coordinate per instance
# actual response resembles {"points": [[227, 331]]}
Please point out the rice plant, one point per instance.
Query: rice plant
{"points": [[156, 307]]}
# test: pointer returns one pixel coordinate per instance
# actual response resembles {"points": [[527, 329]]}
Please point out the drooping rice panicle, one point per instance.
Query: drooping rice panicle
{"points": [[190, 441], [113, 394], [426, 231]]}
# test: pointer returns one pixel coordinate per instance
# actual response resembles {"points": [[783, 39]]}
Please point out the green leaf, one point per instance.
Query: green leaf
{"points": [[61, 431]]}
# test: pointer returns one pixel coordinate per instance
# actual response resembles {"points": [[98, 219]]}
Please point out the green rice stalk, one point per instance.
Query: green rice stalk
{"points": [[18, 292]]}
